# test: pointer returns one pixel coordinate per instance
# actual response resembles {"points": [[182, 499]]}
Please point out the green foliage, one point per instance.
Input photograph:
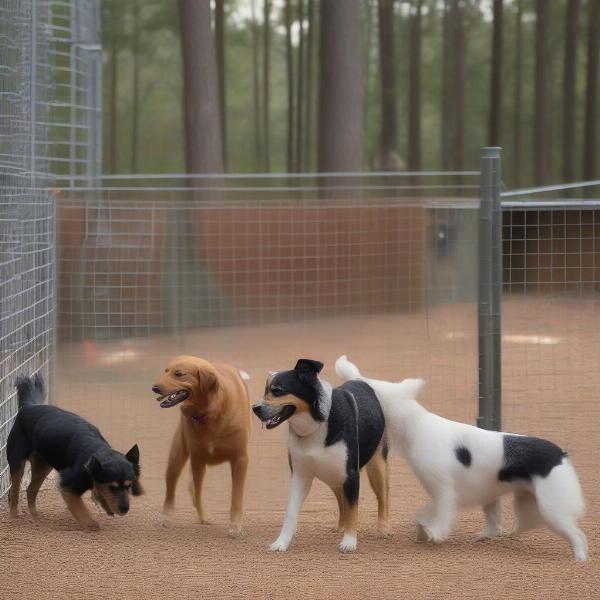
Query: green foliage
{"points": [[161, 140]]}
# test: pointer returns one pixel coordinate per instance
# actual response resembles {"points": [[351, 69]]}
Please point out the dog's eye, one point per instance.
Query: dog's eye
{"points": [[126, 486], [276, 389], [113, 487], [179, 374]]}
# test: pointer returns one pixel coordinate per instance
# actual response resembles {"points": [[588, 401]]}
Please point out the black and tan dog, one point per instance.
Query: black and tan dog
{"points": [[51, 438], [214, 427], [334, 433]]}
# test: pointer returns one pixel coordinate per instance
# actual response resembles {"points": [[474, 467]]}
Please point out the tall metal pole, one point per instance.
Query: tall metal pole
{"points": [[33, 99], [490, 291]]}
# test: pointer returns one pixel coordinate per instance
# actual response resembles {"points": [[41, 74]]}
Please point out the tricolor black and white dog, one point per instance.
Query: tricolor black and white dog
{"points": [[334, 433], [460, 465]]}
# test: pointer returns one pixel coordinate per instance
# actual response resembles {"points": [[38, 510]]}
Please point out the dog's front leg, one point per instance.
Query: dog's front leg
{"points": [[443, 512], [299, 488], [239, 466], [350, 495], [78, 510]]}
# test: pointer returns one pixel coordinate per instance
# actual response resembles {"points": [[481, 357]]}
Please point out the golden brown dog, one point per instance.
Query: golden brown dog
{"points": [[214, 427]]}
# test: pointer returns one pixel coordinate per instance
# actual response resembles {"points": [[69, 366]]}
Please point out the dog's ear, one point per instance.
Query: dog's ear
{"points": [[93, 467], [133, 456], [207, 382], [308, 370]]}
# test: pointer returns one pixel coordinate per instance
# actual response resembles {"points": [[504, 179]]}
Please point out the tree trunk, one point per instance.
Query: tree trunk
{"points": [[414, 85], [459, 76], [220, 41], [300, 93], [590, 159], [289, 63], [569, 92], [387, 63], [191, 295], [203, 146], [258, 157], [540, 109], [496, 78], [135, 80], [367, 29], [309, 94], [518, 94], [341, 92], [266, 82], [114, 80], [447, 112]]}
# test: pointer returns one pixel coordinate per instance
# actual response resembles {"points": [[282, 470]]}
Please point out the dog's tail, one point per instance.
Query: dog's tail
{"points": [[397, 399], [30, 390], [347, 370], [407, 388]]}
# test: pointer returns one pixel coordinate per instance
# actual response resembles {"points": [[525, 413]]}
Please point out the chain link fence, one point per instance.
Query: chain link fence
{"points": [[49, 111]]}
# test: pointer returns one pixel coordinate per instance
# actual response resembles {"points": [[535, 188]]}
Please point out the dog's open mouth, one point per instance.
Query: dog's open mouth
{"points": [[173, 398], [285, 413]]}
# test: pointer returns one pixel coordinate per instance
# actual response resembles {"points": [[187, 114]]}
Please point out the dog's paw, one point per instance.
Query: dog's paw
{"points": [[421, 533], [236, 531], [581, 555], [489, 534], [92, 526], [384, 529], [432, 535], [348, 543], [166, 521], [279, 546]]}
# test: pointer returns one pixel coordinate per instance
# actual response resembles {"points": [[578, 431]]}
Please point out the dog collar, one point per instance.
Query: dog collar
{"points": [[198, 419]]}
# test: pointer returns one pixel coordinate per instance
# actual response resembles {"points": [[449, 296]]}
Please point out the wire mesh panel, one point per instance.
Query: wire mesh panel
{"points": [[75, 110], [256, 273], [551, 313], [26, 208], [49, 112]]}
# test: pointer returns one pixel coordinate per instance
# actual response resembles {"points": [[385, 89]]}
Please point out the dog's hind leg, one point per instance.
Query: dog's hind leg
{"points": [[493, 518], [560, 505], [39, 471], [18, 451], [239, 467], [527, 514], [178, 456], [16, 474], [377, 470], [567, 528]]}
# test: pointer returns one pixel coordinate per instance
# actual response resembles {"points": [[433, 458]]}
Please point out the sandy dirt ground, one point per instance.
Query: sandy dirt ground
{"points": [[550, 378]]}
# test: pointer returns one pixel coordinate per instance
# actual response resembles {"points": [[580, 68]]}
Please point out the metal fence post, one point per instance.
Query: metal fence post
{"points": [[490, 291], [33, 92]]}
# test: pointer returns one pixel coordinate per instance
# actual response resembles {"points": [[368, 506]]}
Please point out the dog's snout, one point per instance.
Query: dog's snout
{"points": [[257, 409], [156, 389], [123, 508]]}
